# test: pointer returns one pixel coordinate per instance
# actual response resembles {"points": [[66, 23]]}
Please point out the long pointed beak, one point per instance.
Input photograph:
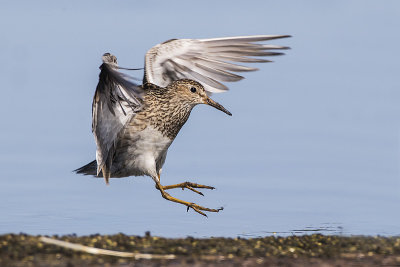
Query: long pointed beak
{"points": [[216, 105]]}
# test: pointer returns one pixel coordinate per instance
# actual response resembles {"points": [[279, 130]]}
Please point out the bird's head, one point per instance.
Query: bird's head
{"points": [[193, 93]]}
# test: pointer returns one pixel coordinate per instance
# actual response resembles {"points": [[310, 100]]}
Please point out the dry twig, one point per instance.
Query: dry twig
{"points": [[99, 251]]}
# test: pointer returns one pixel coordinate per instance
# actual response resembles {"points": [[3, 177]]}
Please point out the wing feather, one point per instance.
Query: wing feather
{"points": [[116, 101], [223, 65], [210, 85], [209, 61]]}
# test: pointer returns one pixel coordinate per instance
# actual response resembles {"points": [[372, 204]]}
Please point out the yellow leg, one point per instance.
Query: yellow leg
{"points": [[189, 186], [194, 206]]}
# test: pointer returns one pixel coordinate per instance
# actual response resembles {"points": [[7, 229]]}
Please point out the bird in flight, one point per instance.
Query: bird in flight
{"points": [[134, 125]]}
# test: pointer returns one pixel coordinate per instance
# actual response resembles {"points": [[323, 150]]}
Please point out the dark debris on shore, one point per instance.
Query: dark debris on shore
{"points": [[306, 250]]}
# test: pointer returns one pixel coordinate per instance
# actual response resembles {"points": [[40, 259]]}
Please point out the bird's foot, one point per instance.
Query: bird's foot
{"points": [[197, 208], [190, 186]]}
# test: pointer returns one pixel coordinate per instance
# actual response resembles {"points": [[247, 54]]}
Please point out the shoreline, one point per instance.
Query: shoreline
{"points": [[306, 250]]}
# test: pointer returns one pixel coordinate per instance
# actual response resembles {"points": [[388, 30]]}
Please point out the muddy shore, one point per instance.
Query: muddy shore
{"points": [[307, 250]]}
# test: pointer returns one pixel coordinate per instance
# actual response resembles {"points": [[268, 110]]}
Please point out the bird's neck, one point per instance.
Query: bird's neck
{"points": [[168, 113]]}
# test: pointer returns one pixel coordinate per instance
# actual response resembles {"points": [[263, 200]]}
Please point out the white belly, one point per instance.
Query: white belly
{"points": [[140, 153]]}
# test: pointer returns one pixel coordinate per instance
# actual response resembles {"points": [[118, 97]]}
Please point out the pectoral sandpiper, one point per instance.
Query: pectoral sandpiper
{"points": [[134, 125]]}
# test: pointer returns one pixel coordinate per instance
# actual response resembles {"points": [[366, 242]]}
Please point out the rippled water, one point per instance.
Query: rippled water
{"points": [[312, 147]]}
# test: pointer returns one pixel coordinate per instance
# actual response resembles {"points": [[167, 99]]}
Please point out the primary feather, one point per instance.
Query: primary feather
{"points": [[208, 61]]}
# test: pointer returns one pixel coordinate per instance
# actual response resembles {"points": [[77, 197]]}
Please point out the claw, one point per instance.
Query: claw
{"points": [[198, 211], [194, 190]]}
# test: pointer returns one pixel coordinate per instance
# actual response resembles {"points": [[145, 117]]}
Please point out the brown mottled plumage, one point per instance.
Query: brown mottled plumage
{"points": [[164, 110], [172, 105]]}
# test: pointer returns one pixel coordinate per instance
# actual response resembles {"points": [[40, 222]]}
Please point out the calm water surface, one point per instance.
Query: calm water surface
{"points": [[313, 145]]}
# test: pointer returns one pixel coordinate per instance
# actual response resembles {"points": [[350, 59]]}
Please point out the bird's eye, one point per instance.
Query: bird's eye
{"points": [[193, 90]]}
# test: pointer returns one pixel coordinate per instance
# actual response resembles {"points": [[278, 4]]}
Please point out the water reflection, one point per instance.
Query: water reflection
{"points": [[324, 229]]}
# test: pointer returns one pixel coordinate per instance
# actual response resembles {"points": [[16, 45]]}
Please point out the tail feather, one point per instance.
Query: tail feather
{"points": [[89, 169]]}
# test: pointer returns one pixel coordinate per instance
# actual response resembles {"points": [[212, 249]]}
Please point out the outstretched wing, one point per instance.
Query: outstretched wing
{"points": [[208, 61], [116, 101]]}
